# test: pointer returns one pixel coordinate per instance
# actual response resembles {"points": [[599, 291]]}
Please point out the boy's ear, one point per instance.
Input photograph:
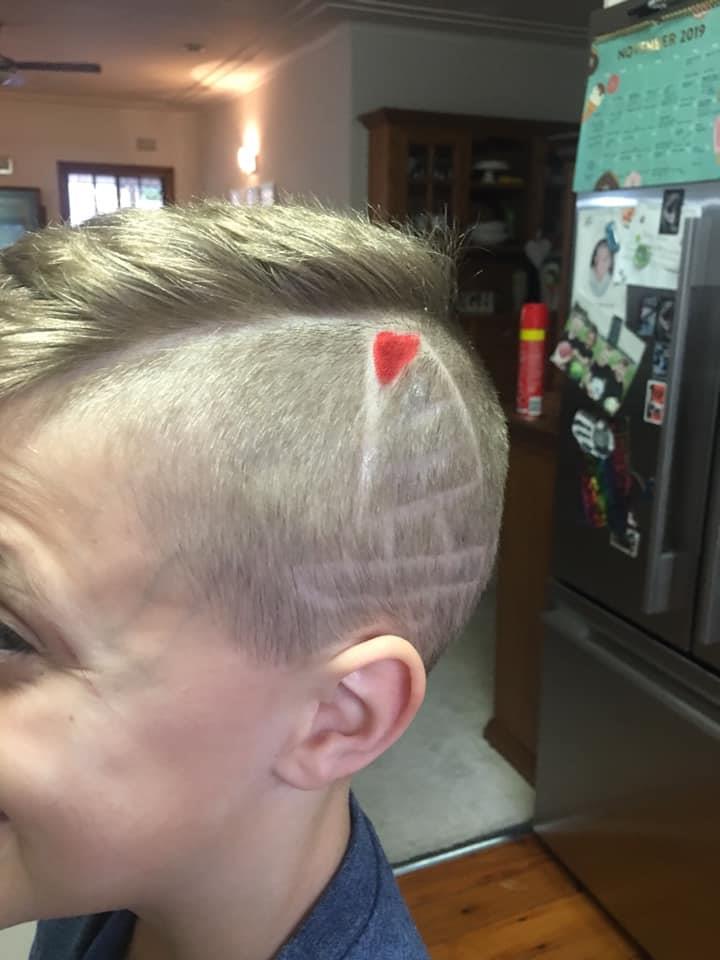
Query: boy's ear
{"points": [[369, 694]]}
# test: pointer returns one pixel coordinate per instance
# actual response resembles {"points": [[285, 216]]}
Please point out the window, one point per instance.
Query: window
{"points": [[87, 189]]}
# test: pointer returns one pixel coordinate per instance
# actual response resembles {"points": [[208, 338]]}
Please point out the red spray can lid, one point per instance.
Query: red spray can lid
{"points": [[534, 316]]}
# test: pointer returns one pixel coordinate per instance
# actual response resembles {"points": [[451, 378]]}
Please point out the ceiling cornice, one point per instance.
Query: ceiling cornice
{"points": [[453, 19], [334, 14]]}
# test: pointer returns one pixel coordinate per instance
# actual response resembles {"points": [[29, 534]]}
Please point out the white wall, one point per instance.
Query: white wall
{"points": [[302, 114], [456, 73], [310, 140], [37, 132], [221, 133]]}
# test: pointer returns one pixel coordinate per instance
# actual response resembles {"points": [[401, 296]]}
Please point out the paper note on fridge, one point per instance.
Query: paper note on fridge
{"points": [[647, 257]]}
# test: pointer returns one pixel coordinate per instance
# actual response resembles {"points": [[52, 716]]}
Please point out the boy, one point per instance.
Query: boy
{"points": [[250, 488]]}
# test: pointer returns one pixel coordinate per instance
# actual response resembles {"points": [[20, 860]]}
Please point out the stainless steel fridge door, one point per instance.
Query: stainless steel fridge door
{"points": [[657, 588], [628, 779], [706, 646]]}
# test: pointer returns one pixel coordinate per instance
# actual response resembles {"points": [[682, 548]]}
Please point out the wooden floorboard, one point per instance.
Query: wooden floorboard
{"points": [[512, 901]]}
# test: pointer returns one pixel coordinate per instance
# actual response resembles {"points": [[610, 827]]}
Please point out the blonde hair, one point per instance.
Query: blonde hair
{"points": [[227, 355]]}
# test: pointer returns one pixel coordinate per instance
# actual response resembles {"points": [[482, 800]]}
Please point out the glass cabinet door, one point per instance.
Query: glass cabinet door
{"points": [[432, 175]]}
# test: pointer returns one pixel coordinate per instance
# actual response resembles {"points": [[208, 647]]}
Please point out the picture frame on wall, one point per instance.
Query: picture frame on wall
{"points": [[21, 210]]}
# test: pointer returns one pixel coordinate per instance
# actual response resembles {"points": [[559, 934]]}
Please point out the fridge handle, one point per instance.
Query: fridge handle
{"points": [[662, 563]]}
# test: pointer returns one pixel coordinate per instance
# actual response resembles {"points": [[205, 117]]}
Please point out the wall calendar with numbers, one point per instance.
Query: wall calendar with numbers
{"points": [[651, 113]]}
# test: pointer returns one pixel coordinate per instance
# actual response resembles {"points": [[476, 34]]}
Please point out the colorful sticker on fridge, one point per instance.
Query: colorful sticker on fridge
{"points": [[655, 402], [607, 483], [593, 494]]}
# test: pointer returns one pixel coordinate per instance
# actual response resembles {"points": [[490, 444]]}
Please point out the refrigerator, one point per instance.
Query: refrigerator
{"points": [[628, 773]]}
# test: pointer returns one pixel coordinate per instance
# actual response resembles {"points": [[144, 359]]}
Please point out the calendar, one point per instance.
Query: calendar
{"points": [[651, 113]]}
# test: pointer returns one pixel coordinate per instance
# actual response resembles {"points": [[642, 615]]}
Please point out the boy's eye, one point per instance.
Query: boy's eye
{"points": [[12, 643]]}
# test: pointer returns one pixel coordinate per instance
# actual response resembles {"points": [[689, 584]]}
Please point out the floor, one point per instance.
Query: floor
{"points": [[511, 901], [442, 784]]}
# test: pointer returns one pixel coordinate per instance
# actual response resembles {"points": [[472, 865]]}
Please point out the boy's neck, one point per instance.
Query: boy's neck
{"points": [[278, 885]]}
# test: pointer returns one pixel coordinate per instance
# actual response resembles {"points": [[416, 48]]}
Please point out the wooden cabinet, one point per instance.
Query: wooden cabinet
{"points": [[501, 183], [523, 570]]}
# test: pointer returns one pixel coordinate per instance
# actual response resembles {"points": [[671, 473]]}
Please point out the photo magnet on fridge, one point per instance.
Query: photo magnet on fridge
{"points": [[655, 402], [599, 353], [671, 212]]}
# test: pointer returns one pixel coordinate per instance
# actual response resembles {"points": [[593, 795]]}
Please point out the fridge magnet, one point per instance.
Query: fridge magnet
{"points": [[664, 320], [593, 435], [599, 238], [592, 494], [599, 353], [619, 482], [660, 360], [627, 542], [655, 402], [644, 320], [671, 211]]}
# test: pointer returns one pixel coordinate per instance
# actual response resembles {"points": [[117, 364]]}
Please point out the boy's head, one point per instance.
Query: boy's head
{"points": [[236, 526]]}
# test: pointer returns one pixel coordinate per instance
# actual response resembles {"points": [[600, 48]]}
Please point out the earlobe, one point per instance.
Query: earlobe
{"points": [[371, 693]]}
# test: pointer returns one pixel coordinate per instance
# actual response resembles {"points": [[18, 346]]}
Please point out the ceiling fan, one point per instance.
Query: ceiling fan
{"points": [[11, 70]]}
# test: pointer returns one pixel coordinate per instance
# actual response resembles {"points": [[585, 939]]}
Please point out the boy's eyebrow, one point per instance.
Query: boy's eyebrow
{"points": [[13, 574]]}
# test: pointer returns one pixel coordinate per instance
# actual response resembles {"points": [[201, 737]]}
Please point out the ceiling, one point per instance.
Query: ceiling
{"points": [[141, 43]]}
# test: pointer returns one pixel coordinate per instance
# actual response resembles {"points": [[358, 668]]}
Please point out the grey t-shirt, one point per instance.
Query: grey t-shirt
{"points": [[359, 916]]}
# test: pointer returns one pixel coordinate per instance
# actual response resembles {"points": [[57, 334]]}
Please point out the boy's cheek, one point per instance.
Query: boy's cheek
{"points": [[68, 745]]}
